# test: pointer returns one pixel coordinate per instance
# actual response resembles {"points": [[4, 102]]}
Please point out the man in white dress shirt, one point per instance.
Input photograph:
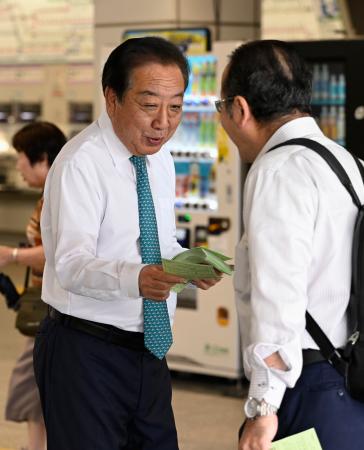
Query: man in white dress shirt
{"points": [[295, 254], [101, 388]]}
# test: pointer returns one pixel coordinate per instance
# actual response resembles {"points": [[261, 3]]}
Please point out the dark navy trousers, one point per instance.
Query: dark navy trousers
{"points": [[320, 400], [100, 396]]}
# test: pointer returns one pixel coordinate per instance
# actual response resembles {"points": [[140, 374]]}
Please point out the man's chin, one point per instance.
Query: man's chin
{"points": [[149, 150]]}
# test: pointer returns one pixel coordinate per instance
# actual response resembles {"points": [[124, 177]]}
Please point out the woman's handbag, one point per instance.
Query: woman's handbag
{"points": [[32, 310]]}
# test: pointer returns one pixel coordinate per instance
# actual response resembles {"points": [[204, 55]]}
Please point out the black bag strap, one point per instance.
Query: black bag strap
{"points": [[28, 269], [345, 180], [328, 351], [331, 161], [26, 280], [360, 166]]}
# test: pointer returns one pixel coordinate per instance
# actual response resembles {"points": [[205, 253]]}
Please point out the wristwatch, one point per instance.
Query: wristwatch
{"points": [[257, 408]]}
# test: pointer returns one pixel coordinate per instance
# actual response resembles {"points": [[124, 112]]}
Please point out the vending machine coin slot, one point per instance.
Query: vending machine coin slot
{"points": [[200, 236]]}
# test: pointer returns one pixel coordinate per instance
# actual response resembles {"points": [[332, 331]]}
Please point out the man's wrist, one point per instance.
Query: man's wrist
{"points": [[14, 254]]}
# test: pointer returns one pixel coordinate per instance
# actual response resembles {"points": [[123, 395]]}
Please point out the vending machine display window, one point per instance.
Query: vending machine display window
{"points": [[329, 98], [338, 96], [194, 145]]}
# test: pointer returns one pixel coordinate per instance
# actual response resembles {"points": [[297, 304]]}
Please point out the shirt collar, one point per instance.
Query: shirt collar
{"points": [[116, 148], [301, 127]]}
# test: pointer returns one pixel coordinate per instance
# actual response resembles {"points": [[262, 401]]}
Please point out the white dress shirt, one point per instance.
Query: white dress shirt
{"points": [[295, 255], [90, 228]]}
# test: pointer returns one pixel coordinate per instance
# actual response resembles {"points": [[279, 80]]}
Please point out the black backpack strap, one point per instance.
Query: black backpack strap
{"points": [[331, 161], [328, 351], [360, 166]]}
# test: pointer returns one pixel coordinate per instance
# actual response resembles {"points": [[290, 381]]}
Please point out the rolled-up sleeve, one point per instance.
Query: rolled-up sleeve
{"points": [[279, 223]]}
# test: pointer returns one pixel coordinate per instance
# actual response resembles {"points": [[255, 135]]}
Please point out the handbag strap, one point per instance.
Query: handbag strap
{"points": [[28, 269], [326, 347], [26, 280]]}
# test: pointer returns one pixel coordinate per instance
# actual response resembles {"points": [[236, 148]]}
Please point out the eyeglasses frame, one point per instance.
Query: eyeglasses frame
{"points": [[219, 103]]}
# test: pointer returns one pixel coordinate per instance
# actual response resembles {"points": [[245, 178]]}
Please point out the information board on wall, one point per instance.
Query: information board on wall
{"points": [[302, 19], [46, 31], [193, 41]]}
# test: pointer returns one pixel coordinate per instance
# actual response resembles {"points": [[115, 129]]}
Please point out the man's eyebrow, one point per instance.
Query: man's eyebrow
{"points": [[154, 94]]}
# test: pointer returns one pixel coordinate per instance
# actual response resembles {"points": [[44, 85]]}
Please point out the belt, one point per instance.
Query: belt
{"points": [[129, 339], [311, 356]]}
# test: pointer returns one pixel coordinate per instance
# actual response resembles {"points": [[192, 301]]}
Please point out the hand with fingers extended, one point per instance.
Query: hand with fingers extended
{"points": [[155, 284]]}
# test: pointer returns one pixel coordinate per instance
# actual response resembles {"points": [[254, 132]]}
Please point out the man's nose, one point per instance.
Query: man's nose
{"points": [[161, 120]]}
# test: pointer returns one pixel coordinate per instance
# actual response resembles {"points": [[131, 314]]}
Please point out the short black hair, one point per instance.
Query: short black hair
{"points": [[137, 52], [39, 141], [272, 77]]}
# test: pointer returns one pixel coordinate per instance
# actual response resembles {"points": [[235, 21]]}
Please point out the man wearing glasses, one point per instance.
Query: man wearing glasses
{"points": [[294, 255]]}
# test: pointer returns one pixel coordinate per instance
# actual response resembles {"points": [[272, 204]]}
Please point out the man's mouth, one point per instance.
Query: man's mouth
{"points": [[154, 140]]}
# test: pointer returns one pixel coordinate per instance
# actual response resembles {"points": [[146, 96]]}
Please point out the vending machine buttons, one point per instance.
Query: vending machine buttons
{"points": [[218, 225]]}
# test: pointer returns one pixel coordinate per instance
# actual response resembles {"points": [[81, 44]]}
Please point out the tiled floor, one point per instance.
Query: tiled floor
{"points": [[207, 418]]}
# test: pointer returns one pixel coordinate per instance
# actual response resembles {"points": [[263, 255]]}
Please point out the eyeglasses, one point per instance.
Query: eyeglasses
{"points": [[219, 103]]}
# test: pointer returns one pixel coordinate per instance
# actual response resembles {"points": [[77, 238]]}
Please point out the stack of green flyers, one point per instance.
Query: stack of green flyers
{"points": [[196, 264]]}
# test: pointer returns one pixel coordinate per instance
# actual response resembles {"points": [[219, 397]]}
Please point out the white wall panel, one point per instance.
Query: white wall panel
{"points": [[135, 11], [238, 33], [196, 10], [239, 10]]}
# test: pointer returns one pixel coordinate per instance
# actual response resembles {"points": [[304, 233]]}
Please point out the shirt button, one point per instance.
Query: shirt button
{"points": [[340, 393]]}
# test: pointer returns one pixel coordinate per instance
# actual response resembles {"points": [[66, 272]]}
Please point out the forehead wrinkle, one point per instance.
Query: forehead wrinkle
{"points": [[156, 94]]}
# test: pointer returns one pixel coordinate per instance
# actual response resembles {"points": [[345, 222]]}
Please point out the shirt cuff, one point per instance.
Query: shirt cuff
{"points": [[264, 384], [129, 279]]}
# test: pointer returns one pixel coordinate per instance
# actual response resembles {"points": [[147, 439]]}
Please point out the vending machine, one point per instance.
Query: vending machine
{"points": [[338, 94], [209, 178]]}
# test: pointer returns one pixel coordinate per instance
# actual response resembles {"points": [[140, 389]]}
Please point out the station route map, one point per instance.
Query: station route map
{"points": [[46, 31]]}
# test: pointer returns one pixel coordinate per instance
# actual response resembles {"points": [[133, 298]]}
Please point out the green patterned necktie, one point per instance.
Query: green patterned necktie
{"points": [[157, 328]]}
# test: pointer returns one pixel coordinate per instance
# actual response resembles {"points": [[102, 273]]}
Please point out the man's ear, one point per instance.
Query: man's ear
{"points": [[43, 162], [110, 100], [242, 111]]}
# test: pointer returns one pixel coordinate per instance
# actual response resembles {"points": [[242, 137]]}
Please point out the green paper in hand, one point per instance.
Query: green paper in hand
{"points": [[188, 270], [307, 440], [196, 264], [202, 255]]}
